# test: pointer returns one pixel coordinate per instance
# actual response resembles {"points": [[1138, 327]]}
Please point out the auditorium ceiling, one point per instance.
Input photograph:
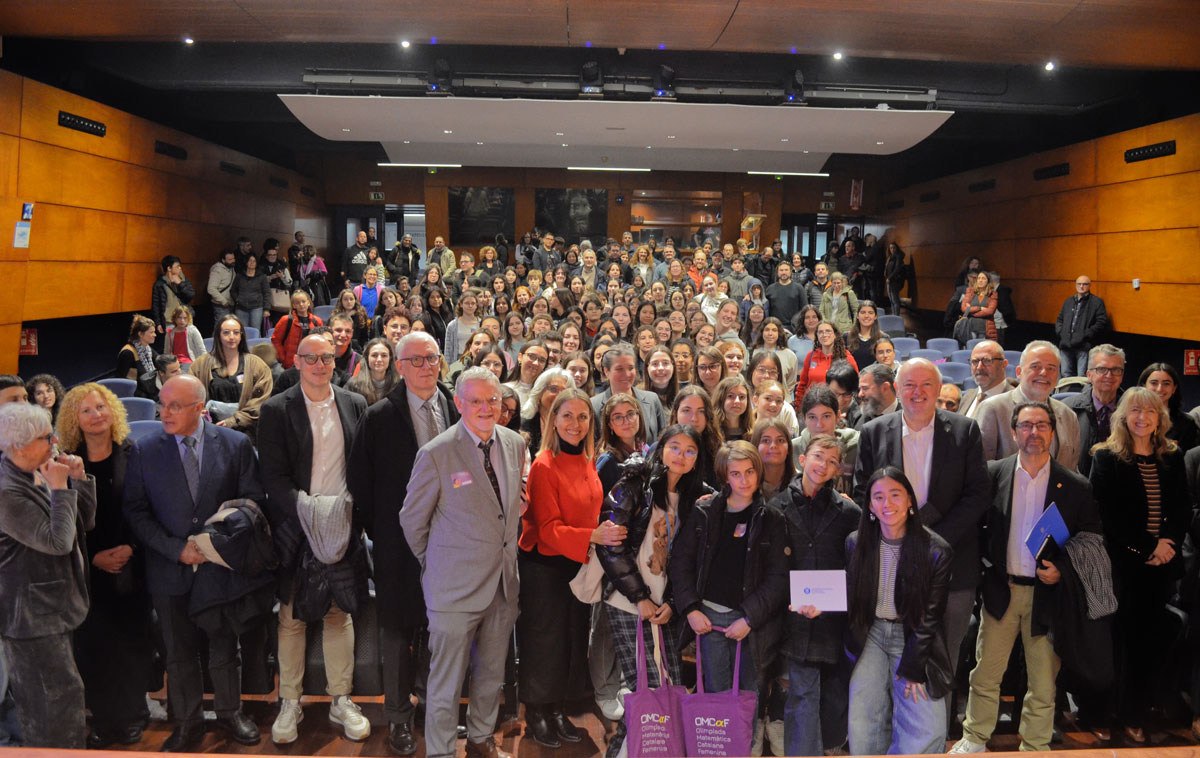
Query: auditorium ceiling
{"points": [[1117, 63]]}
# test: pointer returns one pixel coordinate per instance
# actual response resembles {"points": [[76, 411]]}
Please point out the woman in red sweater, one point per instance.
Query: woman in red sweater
{"points": [[558, 526], [830, 347], [294, 327]]}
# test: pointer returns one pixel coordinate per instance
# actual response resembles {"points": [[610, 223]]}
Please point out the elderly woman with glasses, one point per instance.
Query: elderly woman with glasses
{"points": [[47, 503]]}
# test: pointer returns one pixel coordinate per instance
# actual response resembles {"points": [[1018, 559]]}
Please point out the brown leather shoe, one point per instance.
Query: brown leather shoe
{"points": [[485, 749]]}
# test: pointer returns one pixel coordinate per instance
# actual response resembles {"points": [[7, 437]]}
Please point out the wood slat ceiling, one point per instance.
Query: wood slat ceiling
{"points": [[1142, 34]]}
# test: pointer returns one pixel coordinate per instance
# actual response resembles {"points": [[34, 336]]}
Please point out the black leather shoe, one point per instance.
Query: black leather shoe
{"points": [[99, 739], [185, 739], [563, 727], [240, 728], [539, 726], [130, 735], [401, 740]]}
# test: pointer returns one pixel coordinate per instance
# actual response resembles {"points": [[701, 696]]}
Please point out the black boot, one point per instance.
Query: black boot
{"points": [[538, 726], [563, 727]]}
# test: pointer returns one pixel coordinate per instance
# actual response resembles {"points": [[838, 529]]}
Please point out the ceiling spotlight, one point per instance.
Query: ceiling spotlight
{"points": [[189, 41], [447, 131], [837, 56], [344, 129], [405, 44], [1049, 65], [558, 134], [783, 139], [478, 143], [880, 142], [564, 144], [591, 80], [670, 136], [663, 82], [407, 141]]}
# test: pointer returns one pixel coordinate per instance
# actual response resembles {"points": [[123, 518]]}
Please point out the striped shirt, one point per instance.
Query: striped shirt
{"points": [[1148, 468], [885, 598]]}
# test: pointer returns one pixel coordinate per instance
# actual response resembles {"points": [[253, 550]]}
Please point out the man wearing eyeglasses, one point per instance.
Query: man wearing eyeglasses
{"points": [[1094, 406], [1018, 588], [379, 472], [304, 439], [460, 518], [988, 366], [174, 481], [1036, 376]]}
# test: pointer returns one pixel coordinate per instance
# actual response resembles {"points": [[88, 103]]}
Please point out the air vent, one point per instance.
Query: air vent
{"points": [[1050, 172], [169, 150], [308, 192], [81, 124], [929, 197], [895, 205], [984, 186], [1150, 151], [277, 182], [232, 168]]}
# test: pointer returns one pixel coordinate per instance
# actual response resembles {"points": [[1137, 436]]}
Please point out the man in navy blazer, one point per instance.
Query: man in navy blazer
{"points": [[173, 482], [942, 454]]}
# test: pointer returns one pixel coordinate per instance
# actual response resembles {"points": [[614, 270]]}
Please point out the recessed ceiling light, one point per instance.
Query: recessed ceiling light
{"points": [[643, 193], [837, 56], [1049, 65], [405, 44], [344, 129], [778, 174], [649, 146], [419, 165], [407, 141], [806, 152], [735, 149], [606, 168], [670, 136], [564, 144], [188, 41], [558, 134], [880, 142], [783, 139], [447, 131], [478, 143]]}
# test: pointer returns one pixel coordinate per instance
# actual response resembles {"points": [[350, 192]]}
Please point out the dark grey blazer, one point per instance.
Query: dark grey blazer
{"points": [[652, 410], [43, 563], [959, 490]]}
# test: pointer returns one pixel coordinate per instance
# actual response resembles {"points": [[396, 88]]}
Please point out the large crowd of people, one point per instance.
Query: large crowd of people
{"points": [[584, 447]]}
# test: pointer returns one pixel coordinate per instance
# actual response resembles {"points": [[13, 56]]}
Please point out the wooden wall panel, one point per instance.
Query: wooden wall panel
{"points": [[10, 150], [12, 273], [50, 174], [437, 213], [10, 342], [66, 233], [10, 103], [1111, 220], [76, 290], [1167, 255], [40, 104]]}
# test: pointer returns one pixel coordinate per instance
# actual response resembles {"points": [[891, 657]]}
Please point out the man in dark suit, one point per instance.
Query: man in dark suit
{"points": [[1016, 586], [1094, 406], [951, 503], [379, 469], [173, 482], [460, 518], [304, 439]]}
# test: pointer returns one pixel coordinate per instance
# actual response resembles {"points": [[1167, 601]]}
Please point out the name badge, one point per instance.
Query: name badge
{"points": [[241, 378], [461, 479]]}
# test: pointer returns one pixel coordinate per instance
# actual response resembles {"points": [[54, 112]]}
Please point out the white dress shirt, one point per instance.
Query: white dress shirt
{"points": [[1028, 504], [1001, 386], [329, 447], [918, 458]]}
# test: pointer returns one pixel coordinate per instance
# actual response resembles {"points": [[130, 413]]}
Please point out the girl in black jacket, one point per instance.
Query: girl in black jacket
{"points": [[896, 584], [728, 569], [654, 500]]}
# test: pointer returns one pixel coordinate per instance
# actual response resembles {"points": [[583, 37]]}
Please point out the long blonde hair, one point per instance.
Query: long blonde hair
{"points": [[1120, 440], [550, 439], [67, 424]]}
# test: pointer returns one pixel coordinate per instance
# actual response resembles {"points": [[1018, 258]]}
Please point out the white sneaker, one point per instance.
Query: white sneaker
{"points": [[966, 746], [345, 713], [613, 709], [283, 731]]}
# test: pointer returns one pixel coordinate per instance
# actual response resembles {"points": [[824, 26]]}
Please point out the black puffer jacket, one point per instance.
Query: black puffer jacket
{"points": [[764, 582], [642, 485], [926, 658]]}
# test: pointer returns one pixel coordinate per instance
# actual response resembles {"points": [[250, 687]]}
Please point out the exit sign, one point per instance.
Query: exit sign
{"points": [[826, 205], [376, 196]]}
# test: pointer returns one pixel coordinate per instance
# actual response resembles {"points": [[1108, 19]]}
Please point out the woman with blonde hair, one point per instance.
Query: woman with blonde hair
{"points": [[839, 304], [1138, 481], [183, 338], [979, 307], [113, 643]]}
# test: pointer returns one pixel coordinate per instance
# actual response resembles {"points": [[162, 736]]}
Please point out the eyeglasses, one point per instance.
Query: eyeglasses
{"points": [[624, 418], [536, 360], [175, 407], [47, 438], [418, 361], [981, 362], [1108, 370], [1029, 426], [706, 367], [312, 358], [678, 450], [478, 404]]}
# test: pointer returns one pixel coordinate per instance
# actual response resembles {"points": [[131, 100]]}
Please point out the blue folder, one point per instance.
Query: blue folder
{"points": [[1049, 533]]}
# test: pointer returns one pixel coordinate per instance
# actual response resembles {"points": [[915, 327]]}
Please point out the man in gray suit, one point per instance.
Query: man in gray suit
{"points": [[460, 518], [1037, 375], [620, 371], [988, 366]]}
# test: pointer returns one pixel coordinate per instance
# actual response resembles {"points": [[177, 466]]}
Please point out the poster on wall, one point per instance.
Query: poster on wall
{"points": [[479, 214], [575, 214]]}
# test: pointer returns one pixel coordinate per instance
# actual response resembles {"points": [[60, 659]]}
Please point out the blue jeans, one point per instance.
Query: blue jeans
{"points": [[814, 716], [881, 719], [252, 317], [1074, 361], [718, 653]]}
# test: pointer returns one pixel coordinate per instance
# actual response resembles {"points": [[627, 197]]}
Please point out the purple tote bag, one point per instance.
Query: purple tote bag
{"points": [[653, 726], [718, 723]]}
